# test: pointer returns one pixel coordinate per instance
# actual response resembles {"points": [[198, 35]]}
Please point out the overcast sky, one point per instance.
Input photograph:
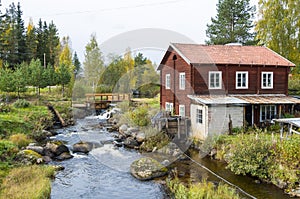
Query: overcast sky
{"points": [[110, 18]]}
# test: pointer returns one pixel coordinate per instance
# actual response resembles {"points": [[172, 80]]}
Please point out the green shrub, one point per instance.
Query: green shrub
{"points": [[21, 103], [251, 154], [20, 140], [140, 115], [4, 108], [7, 151]]}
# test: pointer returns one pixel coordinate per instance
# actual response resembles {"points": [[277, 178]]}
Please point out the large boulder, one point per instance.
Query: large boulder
{"points": [[64, 156], [53, 149], [147, 169], [29, 157], [38, 149], [85, 147]]}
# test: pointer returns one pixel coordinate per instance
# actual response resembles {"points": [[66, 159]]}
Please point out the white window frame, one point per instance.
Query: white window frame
{"points": [[169, 107], [269, 85], [182, 110], [181, 81], [269, 112], [168, 81], [199, 116], [241, 74], [215, 73]]}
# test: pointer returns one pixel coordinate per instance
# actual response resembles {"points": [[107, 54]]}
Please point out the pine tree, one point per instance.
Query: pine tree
{"points": [[233, 23], [77, 64], [31, 41]]}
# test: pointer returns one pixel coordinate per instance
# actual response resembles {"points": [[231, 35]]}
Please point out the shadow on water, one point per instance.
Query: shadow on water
{"points": [[190, 171]]}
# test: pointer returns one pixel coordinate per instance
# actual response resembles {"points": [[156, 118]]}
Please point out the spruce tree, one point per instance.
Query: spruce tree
{"points": [[233, 23]]}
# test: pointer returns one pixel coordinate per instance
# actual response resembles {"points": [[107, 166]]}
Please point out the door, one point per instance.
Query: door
{"points": [[248, 115]]}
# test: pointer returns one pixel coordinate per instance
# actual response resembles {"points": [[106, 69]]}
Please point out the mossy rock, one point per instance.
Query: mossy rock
{"points": [[147, 169], [29, 157]]}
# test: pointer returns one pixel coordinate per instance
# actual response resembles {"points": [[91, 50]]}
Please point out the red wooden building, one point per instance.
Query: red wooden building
{"points": [[213, 84]]}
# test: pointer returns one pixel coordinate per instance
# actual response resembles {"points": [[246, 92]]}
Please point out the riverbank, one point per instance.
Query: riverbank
{"points": [[23, 122], [260, 154]]}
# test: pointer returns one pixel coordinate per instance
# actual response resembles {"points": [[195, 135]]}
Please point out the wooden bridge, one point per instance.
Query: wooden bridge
{"points": [[99, 101]]}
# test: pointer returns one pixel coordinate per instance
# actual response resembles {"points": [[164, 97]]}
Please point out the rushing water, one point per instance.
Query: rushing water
{"points": [[103, 173]]}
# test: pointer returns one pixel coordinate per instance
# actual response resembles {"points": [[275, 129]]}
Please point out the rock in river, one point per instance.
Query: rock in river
{"points": [[147, 168], [85, 147]]}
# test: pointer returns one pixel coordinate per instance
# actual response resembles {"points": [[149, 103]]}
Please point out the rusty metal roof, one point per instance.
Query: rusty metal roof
{"points": [[244, 99], [268, 99], [230, 54]]}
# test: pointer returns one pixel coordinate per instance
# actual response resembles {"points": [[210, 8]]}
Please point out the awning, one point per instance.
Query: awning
{"points": [[216, 99], [268, 99], [244, 99]]}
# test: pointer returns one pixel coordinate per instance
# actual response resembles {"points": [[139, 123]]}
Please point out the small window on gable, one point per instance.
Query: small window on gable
{"points": [[181, 81], [267, 80], [215, 80], [241, 80], [199, 116], [168, 81]]}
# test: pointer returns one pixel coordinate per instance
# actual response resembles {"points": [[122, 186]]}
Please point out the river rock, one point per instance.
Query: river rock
{"points": [[123, 128], [29, 157], [64, 156], [147, 169], [85, 147], [140, 137], [55, 149], [130, 142], [38, 149]]}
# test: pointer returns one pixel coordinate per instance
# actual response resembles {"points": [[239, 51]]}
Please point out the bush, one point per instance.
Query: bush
{"points": [[20, 140], [8, 151], [251, 154], [154, 138], [21, 103], [140, 116], [4, 108]]}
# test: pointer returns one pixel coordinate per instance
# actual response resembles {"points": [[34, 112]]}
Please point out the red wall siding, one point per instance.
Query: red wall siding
{"points": [[280, 80], [167, 95]]}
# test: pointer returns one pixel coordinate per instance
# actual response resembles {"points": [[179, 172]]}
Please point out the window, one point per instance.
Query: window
{"points": [[267, 80], [215, 79], [199, 116], [181, 81], [169, 107], [168, 81], [182, 110], [267, 112], [241, 80]]}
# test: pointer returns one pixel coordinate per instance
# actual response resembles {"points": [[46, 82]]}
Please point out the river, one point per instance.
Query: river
{"points": [[104, 172]]}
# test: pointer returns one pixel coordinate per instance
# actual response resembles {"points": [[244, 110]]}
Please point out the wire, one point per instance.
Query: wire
{"points": [[117, 8], [226, 181]]}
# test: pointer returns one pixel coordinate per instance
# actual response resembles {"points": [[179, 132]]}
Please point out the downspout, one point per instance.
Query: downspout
{"points": [[174, 83]]}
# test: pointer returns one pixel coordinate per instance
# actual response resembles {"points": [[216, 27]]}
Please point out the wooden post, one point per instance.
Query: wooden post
{"points": [[178, 127]]}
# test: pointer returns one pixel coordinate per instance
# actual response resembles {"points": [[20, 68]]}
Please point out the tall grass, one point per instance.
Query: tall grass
{"points": [[27, 182], [204, 189]]}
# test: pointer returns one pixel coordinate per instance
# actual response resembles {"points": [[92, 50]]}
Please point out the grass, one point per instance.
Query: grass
{"points": [[28, 182], [204, 189]]}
